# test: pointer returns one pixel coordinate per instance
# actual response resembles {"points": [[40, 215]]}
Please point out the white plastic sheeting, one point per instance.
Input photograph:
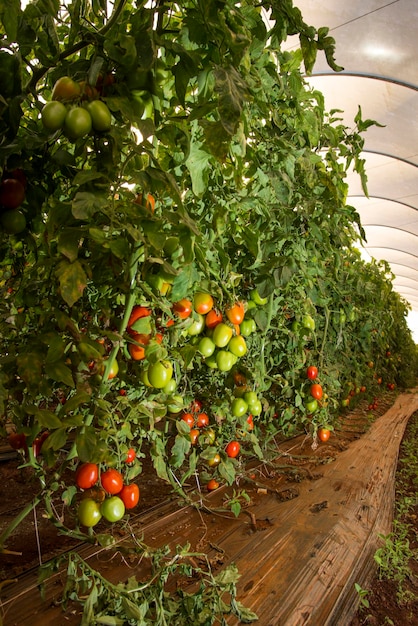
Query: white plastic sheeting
{"points": [[377, 45]]}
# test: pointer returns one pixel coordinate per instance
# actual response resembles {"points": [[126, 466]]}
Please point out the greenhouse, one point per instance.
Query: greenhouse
{"points": [[209, 312]]}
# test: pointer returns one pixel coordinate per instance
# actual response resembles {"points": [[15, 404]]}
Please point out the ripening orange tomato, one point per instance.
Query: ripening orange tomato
{"points": [[235, 313], [323, 434], [213, 318], [203, 303], [183, 308]]}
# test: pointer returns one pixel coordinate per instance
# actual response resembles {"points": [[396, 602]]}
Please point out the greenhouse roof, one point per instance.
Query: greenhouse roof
{"points": [[377, 45]]}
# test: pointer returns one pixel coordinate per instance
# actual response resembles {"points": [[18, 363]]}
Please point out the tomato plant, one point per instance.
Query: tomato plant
{"points": [[111, 481]]}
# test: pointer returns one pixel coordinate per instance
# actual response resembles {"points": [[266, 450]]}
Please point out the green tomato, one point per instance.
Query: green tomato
{"points": [[251, 305], [160, 373], [112, 509], [89, 513], [256, 408], [311, 406], [308, 322], [53, 115], [255, 297], [13, 222], [295, 327], [206, 347], [239, 407], [225, 360], [176, 404], [170, 387], [208, 436], [247, 327], [211, 361], [196, 326], [222, 334], [77, 123], [250, 398], [100, 115], [237, 346]]}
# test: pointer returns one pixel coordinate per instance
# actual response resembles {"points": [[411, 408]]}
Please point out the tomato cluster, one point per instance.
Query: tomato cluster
{"points": [[104, 494], [68, 110], [12, 195]]}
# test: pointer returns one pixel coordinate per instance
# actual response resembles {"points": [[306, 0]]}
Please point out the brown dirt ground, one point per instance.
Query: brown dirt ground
{"points": [[36, 539]]}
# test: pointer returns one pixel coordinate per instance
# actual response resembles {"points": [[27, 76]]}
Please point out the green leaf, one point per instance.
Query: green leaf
{"points": [[71, 404], [10, 13], [86, 204], [59, 372], [56, 440], [179, 450], [29, 367], [122, 50], [72, 280], [198, 164], [90, 448], [45, 418]]}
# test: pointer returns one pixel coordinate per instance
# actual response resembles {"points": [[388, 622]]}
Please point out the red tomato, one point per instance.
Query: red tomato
{"points": [[213, 318], [86, 475], [137, 352], [12, 193], [250, 422], [312, 372], [18, 441], [212, 485], [112, 481], [316, 391], [130, 456], [235, 313], [203, 303], [183, 308], [194, 434], [188, 418], [323, 434], [232, 449], [137, 313], [129, 495], [38, 442], [202, 420], [196, 406]]}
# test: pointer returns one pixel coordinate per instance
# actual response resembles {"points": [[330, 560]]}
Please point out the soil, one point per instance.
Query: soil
{"points": [[385, 605], [37, 540]]}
